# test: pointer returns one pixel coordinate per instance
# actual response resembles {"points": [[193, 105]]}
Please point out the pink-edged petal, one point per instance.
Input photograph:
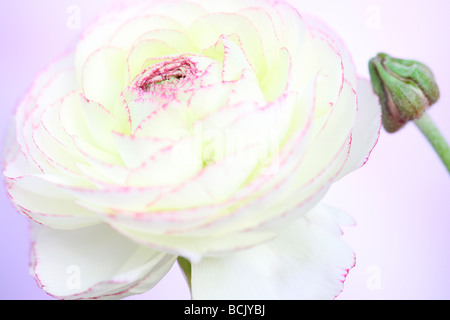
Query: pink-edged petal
{"points": [[72, 118], [109, 168], [58, 87], [15, 163], [44, 203], [154, 46], [228, 6], [63, 64], [293, 30], [168, 167], [208, 29], [183, 12], [331, 134], [198, 109], [134, 151], [203, 190], [307, 260], [94, 263], [33, 111], [104, 76], [133, 29], [172, 38], [321, 32], [101, 123], [92, 152], [99, 33], [110, 200], [51, 122], [58, 76], [265, 23], [366, 131], [235, 60], [193, 248], [162, 123], [144, 51], [277, 81], [54, 152]]}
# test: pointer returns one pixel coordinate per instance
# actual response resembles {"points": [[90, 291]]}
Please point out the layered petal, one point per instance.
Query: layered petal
{"points": [[104, 76], [94, 263], [306, 261], [366, 131]]}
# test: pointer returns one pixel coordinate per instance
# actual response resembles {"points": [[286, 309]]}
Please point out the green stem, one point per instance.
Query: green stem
{"points": [[185, 265], [435, 137]]}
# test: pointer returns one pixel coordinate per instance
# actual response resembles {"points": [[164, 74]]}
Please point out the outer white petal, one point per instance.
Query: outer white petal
{"points": [[366, 131], [306, 261], [94, 263]]}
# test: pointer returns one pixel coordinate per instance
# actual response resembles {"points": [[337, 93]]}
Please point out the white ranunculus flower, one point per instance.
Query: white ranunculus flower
{"points": [[208, 130]]}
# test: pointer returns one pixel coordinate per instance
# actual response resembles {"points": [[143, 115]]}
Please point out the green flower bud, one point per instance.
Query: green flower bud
{"points": [[406, 89]]}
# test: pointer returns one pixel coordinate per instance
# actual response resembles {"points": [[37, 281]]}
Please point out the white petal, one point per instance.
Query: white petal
{"points": [[101, 124], [276, 83], [105, 75], [235, 60], [183, 12], [207, 30], [323, 33], [192, 248], [134, 151], [136, 27], [98, 34], [265, 21], [145, 52], [228, 6], [42, 201], [94, 263], [306, 261], [366, 130]]}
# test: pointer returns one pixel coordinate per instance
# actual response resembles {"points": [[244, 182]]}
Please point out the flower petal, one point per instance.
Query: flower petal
{"points": [[94, 263], [208, 29], [192, 248], [306, 261], [138, 26], [134, 151], [99, 34], [145, 51], [105, 75], [367, 128], [95, 114], [52, 209], [278, 80]]}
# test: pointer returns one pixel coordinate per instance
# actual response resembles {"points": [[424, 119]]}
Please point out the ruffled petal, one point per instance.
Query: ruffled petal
{"points": [[94, 263], [306, 261]]}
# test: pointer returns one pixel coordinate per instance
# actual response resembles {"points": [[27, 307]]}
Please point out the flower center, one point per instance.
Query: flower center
{"points": [[161, 87], [166, 76]]}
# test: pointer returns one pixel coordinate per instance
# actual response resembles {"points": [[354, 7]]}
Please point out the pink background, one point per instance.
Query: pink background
{"points": [[400, 199]]}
